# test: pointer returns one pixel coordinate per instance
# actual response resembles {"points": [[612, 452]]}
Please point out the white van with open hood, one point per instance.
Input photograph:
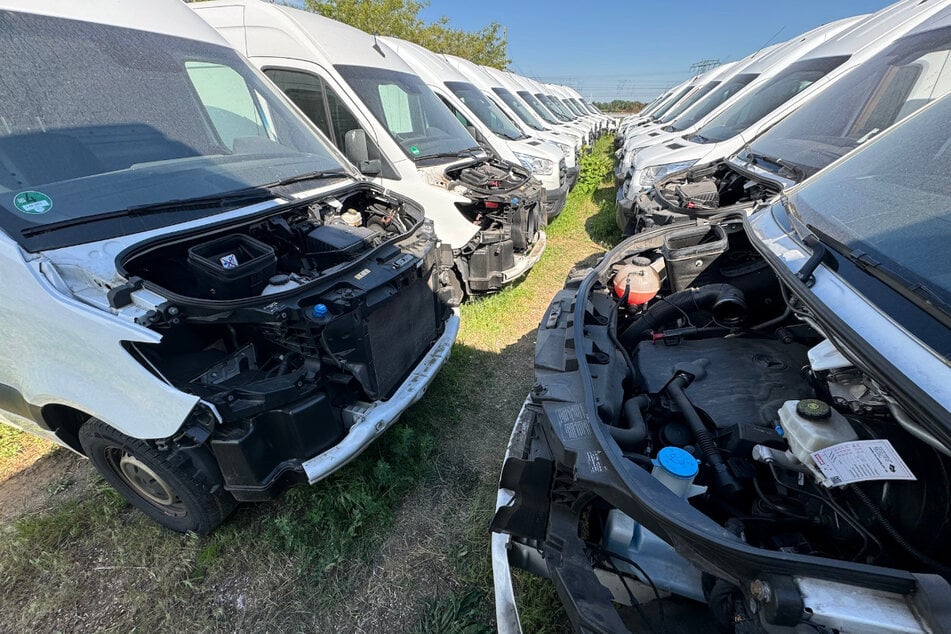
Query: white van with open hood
{"points": [[731, 127], [492, 127], [377, 110], [197, 291], [522, 117]]}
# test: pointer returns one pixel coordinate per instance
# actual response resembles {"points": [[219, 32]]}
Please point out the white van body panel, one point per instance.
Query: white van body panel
{"points": [[435, 71], [274, 36]]}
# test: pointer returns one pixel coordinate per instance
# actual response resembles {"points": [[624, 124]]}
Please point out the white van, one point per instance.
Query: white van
{"points": [[902, 78], [487, 123], [764, 103], [503, 87], [382, 115], [751, 73], [526, 91], [528, 123], [197, 291]]}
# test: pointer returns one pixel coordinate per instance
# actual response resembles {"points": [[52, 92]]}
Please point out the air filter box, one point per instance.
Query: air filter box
{"points": [[335, 243]]}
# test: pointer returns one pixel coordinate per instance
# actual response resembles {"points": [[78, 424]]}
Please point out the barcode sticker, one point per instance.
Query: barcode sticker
{"points": [[861, 461]]}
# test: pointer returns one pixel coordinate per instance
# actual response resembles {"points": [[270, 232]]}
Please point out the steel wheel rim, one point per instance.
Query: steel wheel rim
{"points": [[145, 482]]}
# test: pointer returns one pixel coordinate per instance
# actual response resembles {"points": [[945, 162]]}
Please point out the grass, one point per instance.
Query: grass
{"points": [[18, 450], [396, 541]]}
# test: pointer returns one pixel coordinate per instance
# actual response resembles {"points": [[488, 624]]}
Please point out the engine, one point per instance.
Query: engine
{"points": [[736, 402]]}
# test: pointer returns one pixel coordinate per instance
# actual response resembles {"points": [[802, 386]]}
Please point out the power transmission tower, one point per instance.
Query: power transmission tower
{"points": [[698, 68]]}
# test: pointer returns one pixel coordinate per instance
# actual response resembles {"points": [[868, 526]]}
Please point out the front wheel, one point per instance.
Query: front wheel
{"points": [[167, 485]]}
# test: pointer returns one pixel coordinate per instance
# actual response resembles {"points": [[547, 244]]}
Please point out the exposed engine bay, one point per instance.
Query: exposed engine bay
{"points": [[287, 323], [701, 193], [508, 207], [712, 379]]}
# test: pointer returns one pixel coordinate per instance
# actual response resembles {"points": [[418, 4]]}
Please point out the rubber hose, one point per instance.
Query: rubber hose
{"points": [[897, 537], [722, 478], [636, 430], [725, 301]]}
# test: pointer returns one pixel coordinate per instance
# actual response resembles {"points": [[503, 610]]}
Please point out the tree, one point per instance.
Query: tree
{"points": [[400, 18], [619, 105]]}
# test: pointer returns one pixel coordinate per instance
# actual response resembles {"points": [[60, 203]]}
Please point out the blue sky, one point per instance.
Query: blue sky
{"points": [[633, 49]]}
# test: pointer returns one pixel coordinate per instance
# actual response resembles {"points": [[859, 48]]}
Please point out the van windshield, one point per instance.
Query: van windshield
{"points": [[890, 86], [889, 204], [670, 103], [537, 106], [698, 94], [555, 106], [98, 119], [709, 103], [487, 112], [519, 109], [771, 95], [415, 117]]}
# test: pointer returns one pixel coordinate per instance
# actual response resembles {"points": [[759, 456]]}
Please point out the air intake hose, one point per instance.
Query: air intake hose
{"points": [[725, 301]]}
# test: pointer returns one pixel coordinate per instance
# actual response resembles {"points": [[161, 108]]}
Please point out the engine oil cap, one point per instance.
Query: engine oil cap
{"points": [[677, 462], [813, 409]]}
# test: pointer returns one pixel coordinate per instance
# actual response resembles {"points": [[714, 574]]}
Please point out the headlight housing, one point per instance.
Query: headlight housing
{"points": [[536, 164], [566, 149], [654, 173]]}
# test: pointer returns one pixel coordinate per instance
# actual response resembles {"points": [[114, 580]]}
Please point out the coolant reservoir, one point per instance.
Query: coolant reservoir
{"points": [[642, 279], [810, 425]]}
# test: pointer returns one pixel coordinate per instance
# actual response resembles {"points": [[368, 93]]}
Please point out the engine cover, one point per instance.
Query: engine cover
{"points": [[746, 382]]}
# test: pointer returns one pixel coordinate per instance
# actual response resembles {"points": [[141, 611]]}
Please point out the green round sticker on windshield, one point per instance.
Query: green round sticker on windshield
{"points": [[414, 150], [31, 202]]}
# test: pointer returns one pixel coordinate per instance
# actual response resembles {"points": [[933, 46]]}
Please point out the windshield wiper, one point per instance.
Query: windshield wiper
{"points": [[797, 172], [911, 289], [466, 153]]}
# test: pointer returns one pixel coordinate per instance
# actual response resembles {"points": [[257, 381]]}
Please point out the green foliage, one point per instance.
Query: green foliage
{"points": [[619, 105], [346, 515], [454, 614], [593, 169], [400, 18]]}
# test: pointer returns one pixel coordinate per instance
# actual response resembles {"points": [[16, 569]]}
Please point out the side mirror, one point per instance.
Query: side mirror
{"points": [[355, 146]]}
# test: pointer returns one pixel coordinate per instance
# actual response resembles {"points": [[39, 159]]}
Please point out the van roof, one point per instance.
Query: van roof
{"points": [[167, 17], [262, 29]]}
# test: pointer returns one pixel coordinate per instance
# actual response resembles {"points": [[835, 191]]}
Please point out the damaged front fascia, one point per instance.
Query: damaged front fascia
{"points": [[584, 463]]}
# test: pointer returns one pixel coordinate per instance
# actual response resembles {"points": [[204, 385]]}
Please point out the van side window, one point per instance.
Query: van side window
{"points": [[340, 116], [307, 93], [320, 103], [461, 117], [228, 101]]}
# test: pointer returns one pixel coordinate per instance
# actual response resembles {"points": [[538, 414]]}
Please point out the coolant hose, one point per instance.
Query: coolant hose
{"points": [[723, 479], [636, 430], [725, 301]]}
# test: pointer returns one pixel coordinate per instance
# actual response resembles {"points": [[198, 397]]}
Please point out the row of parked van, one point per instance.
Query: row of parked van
{"points": [[747, 402], [413, 119], [744, 131], [225, 272]]}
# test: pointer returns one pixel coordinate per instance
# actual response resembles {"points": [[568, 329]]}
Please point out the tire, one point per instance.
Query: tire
{"points": [[165, 485]]}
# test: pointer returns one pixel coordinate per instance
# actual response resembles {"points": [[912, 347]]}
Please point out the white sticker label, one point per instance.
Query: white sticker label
{"points": [[861, 461], [362, 274], [229, 261]]}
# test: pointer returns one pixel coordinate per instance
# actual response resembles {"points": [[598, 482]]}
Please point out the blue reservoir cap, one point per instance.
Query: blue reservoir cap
{"points": [[319, 310], [677, 462], [514, 200]]}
